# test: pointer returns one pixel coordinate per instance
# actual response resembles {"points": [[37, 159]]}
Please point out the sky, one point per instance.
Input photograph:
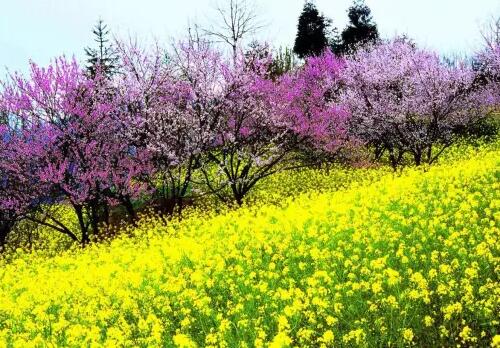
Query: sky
{"points": [[43, 29]]}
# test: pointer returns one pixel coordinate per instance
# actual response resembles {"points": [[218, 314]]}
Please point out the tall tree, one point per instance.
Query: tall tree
{"points": [[312, 32], [360, 30], [104, 57], [237, 19]]}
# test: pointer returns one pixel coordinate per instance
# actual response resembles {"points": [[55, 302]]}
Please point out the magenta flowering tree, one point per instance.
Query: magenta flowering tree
{"points": [[263, 123], [406, 100], [308, 104], [21, 192], [86, 160]]}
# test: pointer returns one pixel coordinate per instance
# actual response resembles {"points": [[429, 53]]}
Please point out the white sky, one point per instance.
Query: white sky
{"points": [[43, 29]]}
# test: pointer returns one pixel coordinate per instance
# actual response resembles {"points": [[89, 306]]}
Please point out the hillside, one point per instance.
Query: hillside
{"points": [[409, 259]]}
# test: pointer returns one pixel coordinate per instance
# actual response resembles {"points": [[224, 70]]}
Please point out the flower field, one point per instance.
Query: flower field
{"points": [[409, 259]]}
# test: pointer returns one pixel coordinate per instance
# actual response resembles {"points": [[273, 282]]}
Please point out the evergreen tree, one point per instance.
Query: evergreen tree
{"points": [[312, 32], [3, 117], [104, 57], [283, 62], [360, 30]]}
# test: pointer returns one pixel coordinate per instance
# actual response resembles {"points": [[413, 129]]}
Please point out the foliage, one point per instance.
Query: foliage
{"points": [[409, 260], [284, 61]]}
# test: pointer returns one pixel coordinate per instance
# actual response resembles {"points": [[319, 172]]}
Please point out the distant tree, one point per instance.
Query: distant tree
{"points": [[361, 29], [237, 20], [104, 57], [284, 61], [335, 41], [312, 32], [487, 62], [491, 32], [3, 117]]}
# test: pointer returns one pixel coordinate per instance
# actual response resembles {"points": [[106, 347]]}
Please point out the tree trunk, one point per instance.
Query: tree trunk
{"points": [[83, 227], [417, 156], [129, 207], [5, 228], [94, 218], [429, 154], [392, 158]]}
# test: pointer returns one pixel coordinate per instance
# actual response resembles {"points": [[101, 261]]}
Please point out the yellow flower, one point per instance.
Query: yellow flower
{"points": [[428, 321], [495, 341], [465, 334], [408, 335], [281, 340], [377, 287], [328, 336], [183, 341]]}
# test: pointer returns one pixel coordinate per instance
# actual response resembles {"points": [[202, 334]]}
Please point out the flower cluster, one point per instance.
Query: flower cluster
{"points": [[406, 260]]}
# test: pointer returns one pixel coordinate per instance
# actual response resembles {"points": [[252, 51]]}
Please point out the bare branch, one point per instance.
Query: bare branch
{"points": [[491, 32], [236, 20]]}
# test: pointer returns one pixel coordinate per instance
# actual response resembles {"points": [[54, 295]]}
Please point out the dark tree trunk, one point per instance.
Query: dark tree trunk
{"points": [[106, 214], [83, 226], [417, 157], [5, 228], [429, 154], [129, 207], [94, 218], [393, 159], [239, 199]]}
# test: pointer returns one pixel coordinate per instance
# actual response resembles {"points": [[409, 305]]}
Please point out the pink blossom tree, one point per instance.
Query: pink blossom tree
{"points": [[20, 190], [308, 104], [488, 63], [169, 115], [263, 123], [86, 160], [406, 100]]}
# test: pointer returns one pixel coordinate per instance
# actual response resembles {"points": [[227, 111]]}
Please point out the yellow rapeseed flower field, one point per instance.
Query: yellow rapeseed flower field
{"points": [[400, 260]]}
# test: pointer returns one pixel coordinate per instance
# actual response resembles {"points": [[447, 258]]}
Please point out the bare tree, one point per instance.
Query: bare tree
{"points": [[491, 32], [237, 19]]}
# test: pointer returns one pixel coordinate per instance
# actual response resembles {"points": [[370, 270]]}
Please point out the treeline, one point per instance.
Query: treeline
{"points": [[143, 123]]}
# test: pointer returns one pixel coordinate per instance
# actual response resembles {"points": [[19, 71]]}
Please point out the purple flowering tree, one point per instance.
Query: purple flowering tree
{"points": [[21, 192], [86, 161], [406, 100], [308, 104], [262, 123]]}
